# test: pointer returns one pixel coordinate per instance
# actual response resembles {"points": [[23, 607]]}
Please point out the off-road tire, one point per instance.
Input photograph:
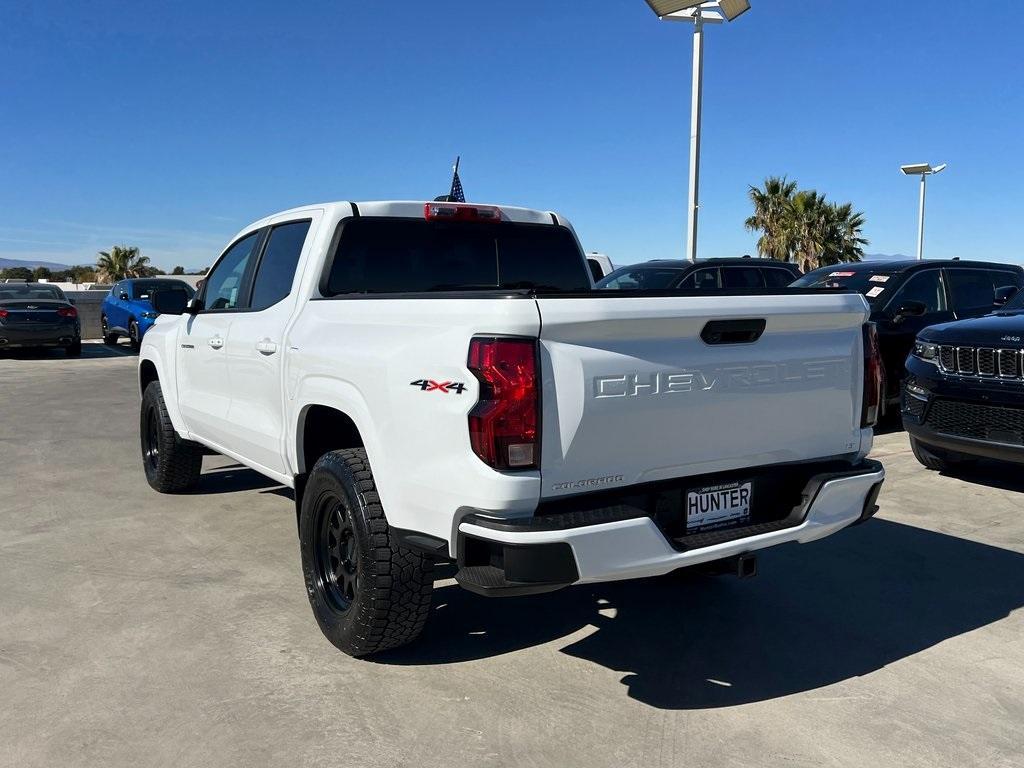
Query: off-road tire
{"points": [[133, 335], [391, 585], [74, 349], [177, 464], [937, 459], [110, 339]]}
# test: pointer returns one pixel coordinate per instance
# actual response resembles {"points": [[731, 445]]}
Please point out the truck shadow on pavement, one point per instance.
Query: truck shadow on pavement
{"points": [[818, 614], [232, 479], [994, 474]]}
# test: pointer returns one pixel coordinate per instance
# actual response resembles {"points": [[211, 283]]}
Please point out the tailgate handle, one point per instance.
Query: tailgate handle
{"points": [[733, 331]]}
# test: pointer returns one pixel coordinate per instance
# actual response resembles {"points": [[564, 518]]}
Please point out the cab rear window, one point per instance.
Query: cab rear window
{"points": [[379, 255]]}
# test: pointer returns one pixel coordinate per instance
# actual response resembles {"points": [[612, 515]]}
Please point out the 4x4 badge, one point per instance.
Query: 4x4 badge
{"points": [[428, 385]]}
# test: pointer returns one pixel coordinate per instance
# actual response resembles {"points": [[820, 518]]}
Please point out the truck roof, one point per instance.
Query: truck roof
{"points": [[412, 209]]}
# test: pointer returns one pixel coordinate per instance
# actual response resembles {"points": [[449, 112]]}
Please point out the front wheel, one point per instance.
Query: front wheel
{"points": [[172, 465], [368, 593], [936, 458]]}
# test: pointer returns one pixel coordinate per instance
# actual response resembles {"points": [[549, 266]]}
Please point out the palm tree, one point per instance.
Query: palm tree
{"points": [[772, 216], [121, 262], [848, 225], [803, 226], [810, 226]]}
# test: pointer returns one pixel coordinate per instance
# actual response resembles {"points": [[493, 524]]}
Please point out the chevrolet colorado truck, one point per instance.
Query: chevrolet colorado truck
{"points": [[440, 382]]}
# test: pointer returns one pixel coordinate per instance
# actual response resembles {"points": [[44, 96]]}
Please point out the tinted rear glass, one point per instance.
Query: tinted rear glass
{"points": [[777, 278], [30, 291], [874, 285], [641, 278], [410, 256], [144, 288], [277, 267], [741, 277]]}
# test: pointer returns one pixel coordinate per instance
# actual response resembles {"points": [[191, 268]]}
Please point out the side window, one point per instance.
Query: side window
{"points": [[925, 287], [741, 277], [701, 280], [277, 267], [223, 286], [651, 279], [1001, 278], [972, 290], [777, 278]]}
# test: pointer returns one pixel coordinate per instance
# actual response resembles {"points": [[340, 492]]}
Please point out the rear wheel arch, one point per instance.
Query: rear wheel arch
{"points": [[320, 429], [323, 428]]}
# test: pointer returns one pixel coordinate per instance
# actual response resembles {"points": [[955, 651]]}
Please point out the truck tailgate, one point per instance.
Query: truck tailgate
{"points": [[634, 394]]}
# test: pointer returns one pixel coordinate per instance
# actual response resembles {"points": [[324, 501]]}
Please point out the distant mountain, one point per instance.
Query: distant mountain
{"points": [[884, 256], [9, 263]]}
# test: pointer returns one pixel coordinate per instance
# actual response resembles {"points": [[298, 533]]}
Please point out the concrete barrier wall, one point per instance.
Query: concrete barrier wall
{"points": [[88, 305]]}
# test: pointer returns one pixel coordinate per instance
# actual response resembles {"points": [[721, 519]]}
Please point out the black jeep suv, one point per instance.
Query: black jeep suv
{"points": [[907, 296], [963, 397]]}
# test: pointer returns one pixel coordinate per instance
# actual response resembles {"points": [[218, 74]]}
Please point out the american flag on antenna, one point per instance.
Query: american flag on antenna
{"points": [[456, 195]]}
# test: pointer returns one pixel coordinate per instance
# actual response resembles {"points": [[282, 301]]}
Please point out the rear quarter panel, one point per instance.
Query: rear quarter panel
{"points": [[362, 356]]}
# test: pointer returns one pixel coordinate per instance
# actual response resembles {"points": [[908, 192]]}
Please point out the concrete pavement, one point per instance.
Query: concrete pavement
{"points": [[146, 630]]}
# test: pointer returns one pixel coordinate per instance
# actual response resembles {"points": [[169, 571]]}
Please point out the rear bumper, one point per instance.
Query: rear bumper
{"points": [[20, 336], [543, 553]]}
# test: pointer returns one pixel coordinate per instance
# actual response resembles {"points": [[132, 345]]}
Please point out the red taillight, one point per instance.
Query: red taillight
{"points": [[503, 424], [873, 378], [460, 212], [3, 314], [67, 312]]}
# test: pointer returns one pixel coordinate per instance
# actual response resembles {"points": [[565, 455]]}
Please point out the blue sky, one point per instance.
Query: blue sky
{"points": [[172, 125]]}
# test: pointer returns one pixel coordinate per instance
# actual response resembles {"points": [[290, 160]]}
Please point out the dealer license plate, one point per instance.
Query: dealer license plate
{"points": [[718, 506]]}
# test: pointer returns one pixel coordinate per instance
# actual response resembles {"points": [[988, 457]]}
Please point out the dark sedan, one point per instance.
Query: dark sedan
{"points": [[907, 296], [38, 315]]}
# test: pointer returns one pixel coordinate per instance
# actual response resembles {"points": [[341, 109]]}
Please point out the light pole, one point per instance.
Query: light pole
{"points": [[698, 13], [924, 170]]}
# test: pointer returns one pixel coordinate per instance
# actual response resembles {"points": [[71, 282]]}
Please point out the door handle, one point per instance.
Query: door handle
{"points": [[216, 342], [266, 347]]}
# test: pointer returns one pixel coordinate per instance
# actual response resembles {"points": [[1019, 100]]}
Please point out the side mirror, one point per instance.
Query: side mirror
{"points": [[1004, 294], [194, 306], [909, 309], [124, 295], [169, 302]]}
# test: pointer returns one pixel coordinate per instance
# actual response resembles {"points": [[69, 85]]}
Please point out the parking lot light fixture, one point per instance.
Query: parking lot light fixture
{"points": [[699, 14], [665, 7], [924, 170]]}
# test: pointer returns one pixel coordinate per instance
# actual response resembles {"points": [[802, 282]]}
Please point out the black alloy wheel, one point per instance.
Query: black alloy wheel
{"points": [[151, 440], [336, 551]]}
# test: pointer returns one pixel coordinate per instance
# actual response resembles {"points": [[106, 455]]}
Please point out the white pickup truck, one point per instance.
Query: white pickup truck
{"points": [[438, 382]]}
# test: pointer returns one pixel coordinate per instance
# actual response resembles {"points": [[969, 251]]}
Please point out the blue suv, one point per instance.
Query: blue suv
{"points": [[127, 310]]}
